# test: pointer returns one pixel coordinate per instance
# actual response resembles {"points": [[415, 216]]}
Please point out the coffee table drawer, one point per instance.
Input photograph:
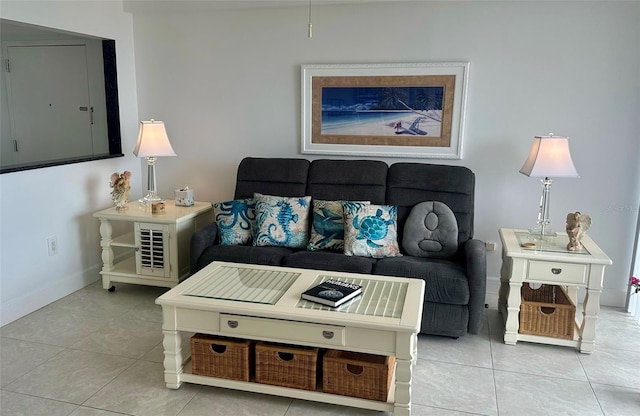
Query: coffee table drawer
{"points": [[557, 272], [278, 329]]}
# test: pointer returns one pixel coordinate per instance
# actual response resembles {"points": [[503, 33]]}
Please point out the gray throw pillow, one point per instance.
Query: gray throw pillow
{"points": [[431, 231]]}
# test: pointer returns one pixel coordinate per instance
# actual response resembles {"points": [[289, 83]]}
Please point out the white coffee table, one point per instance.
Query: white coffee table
{"points": [[263, 303]]}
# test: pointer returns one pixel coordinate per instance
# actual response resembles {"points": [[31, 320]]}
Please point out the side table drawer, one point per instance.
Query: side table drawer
{"points": [[286, 331], [549, 271]]}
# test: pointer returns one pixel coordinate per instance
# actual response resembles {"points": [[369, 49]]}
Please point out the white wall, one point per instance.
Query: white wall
{"points": [[227, 85], [60, 200]]}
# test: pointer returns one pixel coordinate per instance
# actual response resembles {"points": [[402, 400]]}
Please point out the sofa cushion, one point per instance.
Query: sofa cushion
{"points": [[328, 260], [431, 231], [235, 220], [281, 221], [411, 183], [327, 226], [370, 230], [445, 280], [271, 256]]}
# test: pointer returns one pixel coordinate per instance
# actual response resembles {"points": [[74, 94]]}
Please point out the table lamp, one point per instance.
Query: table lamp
{"points": [[152, 143], [549, 157]]}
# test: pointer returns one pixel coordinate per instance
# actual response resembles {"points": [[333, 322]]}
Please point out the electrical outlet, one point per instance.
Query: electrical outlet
{"points": [[52, 245], [490, 245]]}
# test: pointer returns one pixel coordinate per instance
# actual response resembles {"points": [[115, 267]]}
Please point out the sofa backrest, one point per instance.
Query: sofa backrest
{"points": [[349, 180], [411, 183], [271, 176], [401, 184]]}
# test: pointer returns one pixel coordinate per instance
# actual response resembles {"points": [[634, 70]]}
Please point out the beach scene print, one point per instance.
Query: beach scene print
{"points": [[382, 111]]}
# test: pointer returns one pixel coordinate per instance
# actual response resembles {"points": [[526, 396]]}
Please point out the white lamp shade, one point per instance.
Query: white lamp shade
{"points": [[549, 157], [153, 140]]}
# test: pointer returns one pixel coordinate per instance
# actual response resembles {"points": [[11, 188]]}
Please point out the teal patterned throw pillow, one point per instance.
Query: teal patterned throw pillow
{"points": [[281, 221], [370, 230], [327, 227], [235, 221]]}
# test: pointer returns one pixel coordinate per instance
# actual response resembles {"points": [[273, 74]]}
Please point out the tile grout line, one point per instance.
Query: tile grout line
{"points": [[493, 368]]}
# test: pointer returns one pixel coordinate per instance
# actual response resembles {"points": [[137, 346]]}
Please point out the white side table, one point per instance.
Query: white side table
{"points": [[549, 262], [155, 249]]}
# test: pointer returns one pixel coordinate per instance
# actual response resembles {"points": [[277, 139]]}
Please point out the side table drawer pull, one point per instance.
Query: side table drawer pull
{"points": [[232, 324], [327, 334], [556, 270]]}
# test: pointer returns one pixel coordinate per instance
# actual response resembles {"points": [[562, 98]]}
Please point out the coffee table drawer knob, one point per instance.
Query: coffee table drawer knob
{"points": [[556, 270], [327, 334], [232, 324]]}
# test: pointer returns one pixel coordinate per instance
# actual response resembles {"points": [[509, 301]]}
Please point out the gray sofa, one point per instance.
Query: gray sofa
{"points": [[455, 284]]}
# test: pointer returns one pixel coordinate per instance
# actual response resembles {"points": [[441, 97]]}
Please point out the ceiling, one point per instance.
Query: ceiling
{"points": [[185, 5], [10, 29]]}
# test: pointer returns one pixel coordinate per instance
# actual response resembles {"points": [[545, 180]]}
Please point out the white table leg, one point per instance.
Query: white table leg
{"points": [[512, 325], [572, 292], [505, 274], [172, 344], [107, 252], [591, 308], [402, 405], [406, 356]]}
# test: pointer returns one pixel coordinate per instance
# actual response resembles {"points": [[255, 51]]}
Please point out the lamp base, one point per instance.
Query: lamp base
{"points": [[150, 198], [543, 231], [543, 228]]}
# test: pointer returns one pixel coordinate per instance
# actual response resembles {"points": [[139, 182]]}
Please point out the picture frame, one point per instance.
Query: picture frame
{"points": [[412, 110]]}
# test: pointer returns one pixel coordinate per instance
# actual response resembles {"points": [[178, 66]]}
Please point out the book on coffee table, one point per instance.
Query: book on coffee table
{"points": [[332, 292]]}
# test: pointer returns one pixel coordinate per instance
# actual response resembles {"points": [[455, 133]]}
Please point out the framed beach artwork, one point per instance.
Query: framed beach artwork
{"points": [[394, 110]]}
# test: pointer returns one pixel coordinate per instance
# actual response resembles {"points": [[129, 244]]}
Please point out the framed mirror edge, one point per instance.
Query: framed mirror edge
{"points": [[52, 163], [114, 137]]}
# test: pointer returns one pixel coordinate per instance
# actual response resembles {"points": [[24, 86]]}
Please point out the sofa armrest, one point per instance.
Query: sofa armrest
{"points": [[200, 240], [476, 257]]}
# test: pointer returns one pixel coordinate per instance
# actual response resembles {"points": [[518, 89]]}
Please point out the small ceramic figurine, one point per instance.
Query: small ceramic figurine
{"points": [[121, 188], [577, 226]]}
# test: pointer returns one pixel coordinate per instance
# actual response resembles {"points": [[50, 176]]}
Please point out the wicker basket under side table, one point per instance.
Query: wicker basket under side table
{"points": [[547, 311]]}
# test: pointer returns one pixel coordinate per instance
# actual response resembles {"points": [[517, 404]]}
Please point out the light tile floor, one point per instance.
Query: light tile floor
{"points": [[95, 353]]}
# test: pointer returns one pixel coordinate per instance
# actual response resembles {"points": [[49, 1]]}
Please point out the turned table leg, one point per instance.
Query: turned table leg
{"points": [[406, 357], [172, 344], [106, 231]]}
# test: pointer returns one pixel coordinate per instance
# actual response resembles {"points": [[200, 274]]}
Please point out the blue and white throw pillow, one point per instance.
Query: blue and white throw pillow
{"points": [[370, 230], [327, 227], [235, 221], [281, 221]]}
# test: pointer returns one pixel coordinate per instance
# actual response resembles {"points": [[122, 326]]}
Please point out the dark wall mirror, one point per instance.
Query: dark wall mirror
{"points": [[59, 98]]}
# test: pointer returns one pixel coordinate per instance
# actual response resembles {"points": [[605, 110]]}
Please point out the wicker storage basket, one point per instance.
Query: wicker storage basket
{"points": [[221, 357], [366, 376], [547, 311], [286, 366]]}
